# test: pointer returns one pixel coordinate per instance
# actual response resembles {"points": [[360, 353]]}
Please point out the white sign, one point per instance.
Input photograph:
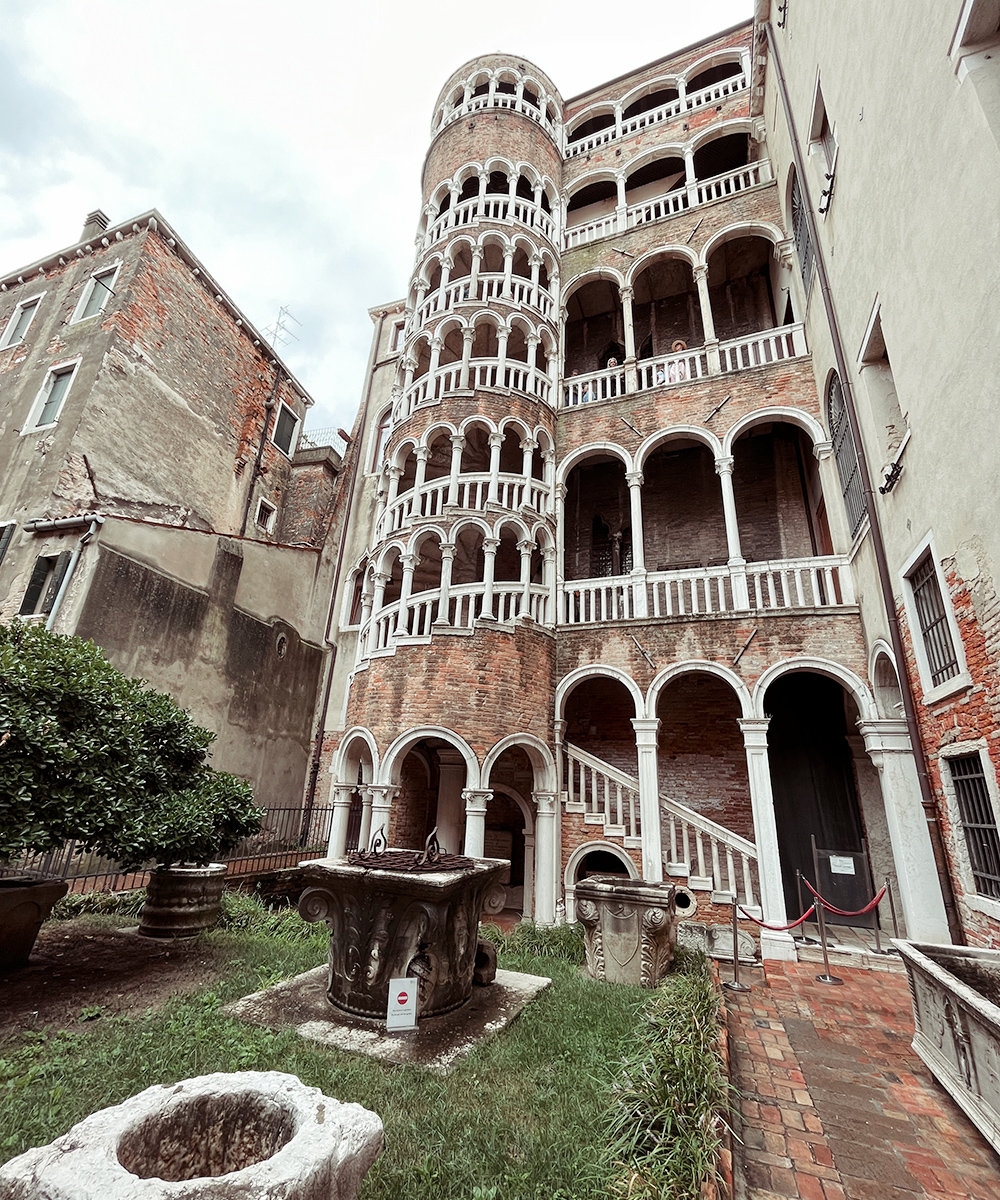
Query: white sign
{"points": [[402, 1013], [840, 864]]}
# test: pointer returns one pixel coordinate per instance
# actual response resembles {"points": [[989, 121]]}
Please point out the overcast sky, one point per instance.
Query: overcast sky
{"points": [[283, 141]]}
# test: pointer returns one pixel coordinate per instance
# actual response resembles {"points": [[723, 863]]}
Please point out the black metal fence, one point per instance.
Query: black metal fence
{"points": [[286, 836]]}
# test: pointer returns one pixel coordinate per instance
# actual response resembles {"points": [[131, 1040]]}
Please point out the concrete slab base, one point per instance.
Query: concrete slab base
{"points": [[437, 1044]]}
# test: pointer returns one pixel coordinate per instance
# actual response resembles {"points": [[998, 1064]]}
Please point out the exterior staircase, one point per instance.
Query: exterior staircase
{"points": [[698, 852]]}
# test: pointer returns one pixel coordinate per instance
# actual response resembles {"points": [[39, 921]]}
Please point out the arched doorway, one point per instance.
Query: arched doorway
{"points": [[432, 776]]}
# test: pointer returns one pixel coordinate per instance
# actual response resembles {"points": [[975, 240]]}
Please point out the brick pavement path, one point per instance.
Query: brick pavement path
{"points": [[835, 1105]]}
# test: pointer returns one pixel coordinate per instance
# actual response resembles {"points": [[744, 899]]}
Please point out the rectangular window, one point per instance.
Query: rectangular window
{"points": [[284, 429], [932, 618], [265, 516], [978, 821], [43, 586], [6, 536], [50, 400], [96, 294], [17, 326]]}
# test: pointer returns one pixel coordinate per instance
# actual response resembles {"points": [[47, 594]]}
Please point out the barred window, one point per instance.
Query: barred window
{"points": [[933, 621], [845, 454], [978, 822], [800, 231]]}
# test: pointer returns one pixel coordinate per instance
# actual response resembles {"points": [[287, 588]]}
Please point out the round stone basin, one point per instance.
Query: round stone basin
{"points": [[394, 924]]}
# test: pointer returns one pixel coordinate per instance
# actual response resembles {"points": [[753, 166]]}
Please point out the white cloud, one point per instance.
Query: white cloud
{"points": [[283, 142]]}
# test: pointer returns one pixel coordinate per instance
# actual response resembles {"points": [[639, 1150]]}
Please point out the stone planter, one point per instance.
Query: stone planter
{"points": [[182, 901], [24, 904], [629, 928], [389, 924], [958, 1026], [223, 1137]]}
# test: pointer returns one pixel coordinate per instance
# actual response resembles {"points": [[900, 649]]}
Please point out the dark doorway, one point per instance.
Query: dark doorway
{"points": [[812, 778]]}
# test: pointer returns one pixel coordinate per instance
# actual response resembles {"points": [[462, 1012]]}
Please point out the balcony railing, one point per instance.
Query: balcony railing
{"points": [[520, 293], [466, 605], [738, 354], [503, 209], [477, 104], [658, 208], [822, 582], [706, 855], [472, 491], [666, 112], [482, 373]]}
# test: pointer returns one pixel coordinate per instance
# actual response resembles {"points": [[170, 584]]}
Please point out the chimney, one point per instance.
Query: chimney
{"points": [[94, 226]]}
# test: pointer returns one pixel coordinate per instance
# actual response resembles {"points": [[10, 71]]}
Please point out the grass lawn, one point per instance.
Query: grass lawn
{"points": [[525, 1116]]}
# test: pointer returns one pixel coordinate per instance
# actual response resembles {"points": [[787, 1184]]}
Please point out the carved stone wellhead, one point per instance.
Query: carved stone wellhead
{"points": [[394, 923], [629, 928]]}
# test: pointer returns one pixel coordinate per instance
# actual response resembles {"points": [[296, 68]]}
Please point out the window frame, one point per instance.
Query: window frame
{"points": [[69, 367], [6, 341], [296, 427], [841, 435], [46, 582], [963, 860], [111, 269], [962, 680], [7, 531], [268, 525]]}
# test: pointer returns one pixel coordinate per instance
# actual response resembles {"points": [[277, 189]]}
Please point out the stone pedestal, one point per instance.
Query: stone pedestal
{"points": [[390, 924], [630, 928], [228, 1137]]}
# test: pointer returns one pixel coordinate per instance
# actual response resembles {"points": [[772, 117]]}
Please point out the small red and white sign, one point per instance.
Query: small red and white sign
{"points": [[402, 1012]]}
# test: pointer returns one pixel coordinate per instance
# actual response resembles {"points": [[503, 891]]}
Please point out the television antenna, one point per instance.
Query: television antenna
{"points": [[279, 331]]}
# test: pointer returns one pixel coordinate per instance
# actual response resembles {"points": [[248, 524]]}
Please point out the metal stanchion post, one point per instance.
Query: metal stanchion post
{"points": [[826, 977], [869, 875], [734, 985], [892, 910], [801, 937]]}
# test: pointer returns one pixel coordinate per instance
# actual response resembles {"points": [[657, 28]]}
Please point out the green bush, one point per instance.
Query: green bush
{"points": [[87, 754], [671, 1095]]}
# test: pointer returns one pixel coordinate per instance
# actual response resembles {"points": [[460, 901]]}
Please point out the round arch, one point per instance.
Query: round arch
{"points": [[539, 755], [582, 453], [398, 750], [762, 416], [695, 432], [723, 129], [762, 229], [421, 534], [699, 666], [570, 682], [597, 275], [715, 59], [684, 253], [348, 753], [819, 666], [659, 84], [477, 419]]}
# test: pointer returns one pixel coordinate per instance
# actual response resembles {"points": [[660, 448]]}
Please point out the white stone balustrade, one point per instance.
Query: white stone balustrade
{"points": [[511, 374], [665, 112], [658, 208], [514, 492], [759, 349], [519, 294], [513, 103], [502, 209]]}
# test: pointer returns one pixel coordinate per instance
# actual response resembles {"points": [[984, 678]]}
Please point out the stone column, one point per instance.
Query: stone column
{"points": [[529, 874], [468, 337], [457, 446], [432, 365], [525, 547], [707, 320], [532, 343], [484, 180], [888, 746], [446, 265], [395, 475], [490, 546], [382, 796], [631, 380], [502, 336], [536, 267], [690, 178], [545, 858], [559, 500], [477, 258], [508, 267], [737, 563], [639, 601], [649, 797], [528, 448], [621, 209], [380, 579], [772, 896], [495, 443], [450, 804], [365, 829], [409, 564], [476, 801], [422, 453], [549, 579], [444, 603], [342, 793], [836, 512]]}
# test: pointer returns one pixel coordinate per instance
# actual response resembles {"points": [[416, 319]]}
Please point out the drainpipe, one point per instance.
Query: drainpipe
{"points": [[324, 707], [878, 545], [269, 404], [90, 523]]}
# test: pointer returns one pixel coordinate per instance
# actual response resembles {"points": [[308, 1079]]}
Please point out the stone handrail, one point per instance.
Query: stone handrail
{"points": [[705, 853], [476, 104], [499, 207], [482, 373], [521, 293], [472, 491]]}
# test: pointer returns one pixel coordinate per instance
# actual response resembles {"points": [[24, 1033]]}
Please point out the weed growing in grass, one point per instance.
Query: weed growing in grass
{"points": [[540, 941], [667, 1121], [104, 904]]}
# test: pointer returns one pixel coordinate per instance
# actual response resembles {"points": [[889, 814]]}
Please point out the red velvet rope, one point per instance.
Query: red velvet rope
{"points": [[777, 928], [841, 912]]}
